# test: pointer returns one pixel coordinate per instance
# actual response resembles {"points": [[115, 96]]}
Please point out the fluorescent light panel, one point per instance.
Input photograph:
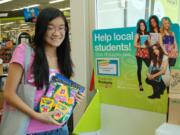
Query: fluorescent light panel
{"points": [[64, 9], [30, 6], [7, 23], [4, 1], [23, 24], [55, 1]]}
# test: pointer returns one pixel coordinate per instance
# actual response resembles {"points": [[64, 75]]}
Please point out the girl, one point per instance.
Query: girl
{"points": [[51, 55], [142, 51], [155, 36], [169, 41], [159, 75]]}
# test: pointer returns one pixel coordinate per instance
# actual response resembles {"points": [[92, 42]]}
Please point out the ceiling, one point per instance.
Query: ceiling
{"points": [[19, 24], [14, 4]]}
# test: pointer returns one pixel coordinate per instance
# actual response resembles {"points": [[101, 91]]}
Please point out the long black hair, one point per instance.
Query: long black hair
{"points": [[155, 59], [139, 29], [157, 22], [40, 65]]}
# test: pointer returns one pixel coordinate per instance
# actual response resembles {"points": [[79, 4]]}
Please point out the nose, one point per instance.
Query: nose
{"points": [[57, 32]]}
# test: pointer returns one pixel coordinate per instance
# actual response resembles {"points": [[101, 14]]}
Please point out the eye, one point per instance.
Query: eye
{"points": [[61, 28], [50, 27]]}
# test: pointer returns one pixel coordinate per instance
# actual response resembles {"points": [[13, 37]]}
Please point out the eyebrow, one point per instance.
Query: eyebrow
{"points": [[59, 25]]}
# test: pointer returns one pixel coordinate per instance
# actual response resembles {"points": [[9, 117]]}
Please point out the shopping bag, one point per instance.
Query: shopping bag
{"points": [[15, 122]]}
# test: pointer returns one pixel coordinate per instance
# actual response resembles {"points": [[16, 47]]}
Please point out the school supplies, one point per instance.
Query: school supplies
{"points": [[154, 37], [143, 39], [60, 96]]}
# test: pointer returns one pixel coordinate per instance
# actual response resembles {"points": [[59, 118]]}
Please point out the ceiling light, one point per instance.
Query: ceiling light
{"points": [[55, 1], [64, 9], [25, 27], [3, 14], [4, 1], [23, 24], [30, 6], [7, 23]]}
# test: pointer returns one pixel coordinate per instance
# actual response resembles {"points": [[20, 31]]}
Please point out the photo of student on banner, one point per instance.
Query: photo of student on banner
{"points": [[169, 40], [154, 31], [142, 54], [158, 75]]}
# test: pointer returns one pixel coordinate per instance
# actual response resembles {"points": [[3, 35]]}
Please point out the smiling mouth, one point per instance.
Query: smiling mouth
{"points": [[55, 38]]}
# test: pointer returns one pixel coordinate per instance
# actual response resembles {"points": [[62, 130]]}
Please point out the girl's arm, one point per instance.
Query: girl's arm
{"points": [[136, 44], [175, 43], [163, 68], [161, 44], [13, 80]]}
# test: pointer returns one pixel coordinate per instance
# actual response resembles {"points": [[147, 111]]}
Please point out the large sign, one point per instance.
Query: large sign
{"points": [[115, 69]]}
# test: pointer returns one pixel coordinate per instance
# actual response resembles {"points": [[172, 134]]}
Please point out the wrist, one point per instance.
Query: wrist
{"points": [[35, 115]]}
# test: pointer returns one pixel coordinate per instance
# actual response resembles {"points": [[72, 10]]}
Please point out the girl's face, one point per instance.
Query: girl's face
{"points": [[166, 24], [155, 50], [142, 26], [153, 23], [55, 33]]}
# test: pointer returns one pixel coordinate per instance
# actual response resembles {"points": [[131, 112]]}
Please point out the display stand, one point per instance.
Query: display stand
{"points": [[168, 129]]}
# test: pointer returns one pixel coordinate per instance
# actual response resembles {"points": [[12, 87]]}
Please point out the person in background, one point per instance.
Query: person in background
{"points": [[158, 75], [169, 41], [142, 53], [51, 54]]}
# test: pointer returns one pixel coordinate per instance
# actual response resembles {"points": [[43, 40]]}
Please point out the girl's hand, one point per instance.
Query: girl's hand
{"points": [[138, 46], [79, 97], [150, 77], [143, 46], [46, 117]]}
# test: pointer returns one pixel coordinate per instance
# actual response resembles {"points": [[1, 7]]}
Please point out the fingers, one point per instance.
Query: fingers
{"points": [[55, 122], [80, 97], [49, 119], [53, 112]]}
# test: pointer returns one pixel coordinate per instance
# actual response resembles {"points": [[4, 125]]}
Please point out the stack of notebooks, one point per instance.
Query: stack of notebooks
{"points": [[154, 38], [143, 39], [60, 96]]}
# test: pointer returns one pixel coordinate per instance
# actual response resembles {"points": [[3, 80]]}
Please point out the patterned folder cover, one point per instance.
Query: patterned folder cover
{"points": [[60, 96]]}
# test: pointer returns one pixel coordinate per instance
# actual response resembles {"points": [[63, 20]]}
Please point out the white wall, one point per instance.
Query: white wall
{"points": [[117, 120], [82, 22]]}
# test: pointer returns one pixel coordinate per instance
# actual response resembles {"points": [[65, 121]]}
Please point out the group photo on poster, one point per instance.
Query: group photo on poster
{"points": [[133, 64], [157, 49]]}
